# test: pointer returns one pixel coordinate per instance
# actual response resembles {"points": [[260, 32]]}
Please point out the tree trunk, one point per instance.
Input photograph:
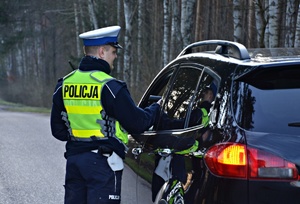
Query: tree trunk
{"points": [[290, 23], [250, 21], [237, 21], [273, 23], [119, 61], [187, 20], [261, 22], [76, 20], [176, 42], [140, 55], [198, 22], [127, 70], [92, 14], [166, 38], [297, 35], [82, 22]]}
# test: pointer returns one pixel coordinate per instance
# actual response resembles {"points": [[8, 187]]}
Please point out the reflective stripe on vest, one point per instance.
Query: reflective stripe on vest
{"points": [[82, 99]]}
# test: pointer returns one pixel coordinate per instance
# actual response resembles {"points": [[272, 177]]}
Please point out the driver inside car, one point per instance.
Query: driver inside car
{"points": [[167, 166]]}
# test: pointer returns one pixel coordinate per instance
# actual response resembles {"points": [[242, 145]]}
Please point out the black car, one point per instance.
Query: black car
{"points": [[249, 151]]}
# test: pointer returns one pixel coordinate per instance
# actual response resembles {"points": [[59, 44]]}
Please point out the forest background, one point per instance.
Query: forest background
{"points": [[38, 38]]}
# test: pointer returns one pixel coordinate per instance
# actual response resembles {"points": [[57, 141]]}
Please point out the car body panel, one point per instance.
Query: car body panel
{"points": [[241, 113]]}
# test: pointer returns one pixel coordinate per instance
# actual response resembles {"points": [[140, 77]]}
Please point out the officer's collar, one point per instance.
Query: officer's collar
{"points": [[89, 63]]}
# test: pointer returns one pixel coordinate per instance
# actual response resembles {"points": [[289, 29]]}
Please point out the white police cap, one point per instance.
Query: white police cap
{"points": [[103, 36]]}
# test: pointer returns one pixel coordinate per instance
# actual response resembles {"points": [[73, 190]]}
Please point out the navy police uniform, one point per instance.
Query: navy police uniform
{"points": [[89, 178]]}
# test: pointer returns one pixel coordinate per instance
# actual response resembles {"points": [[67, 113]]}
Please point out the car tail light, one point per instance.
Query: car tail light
{"points": [[237, 161], [227, 160], [266, 165]]}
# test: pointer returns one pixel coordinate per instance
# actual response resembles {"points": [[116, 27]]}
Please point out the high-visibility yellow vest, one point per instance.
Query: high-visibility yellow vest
{"points": [[205, 118], [82, 100]]}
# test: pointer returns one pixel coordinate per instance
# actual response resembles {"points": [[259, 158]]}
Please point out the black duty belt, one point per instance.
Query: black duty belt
{"points": [[103, 150]]}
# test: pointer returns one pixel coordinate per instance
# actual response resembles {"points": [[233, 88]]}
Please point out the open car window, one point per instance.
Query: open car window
{"points": [[179, 97], [203, 101], [158, 87], [186, 102]]}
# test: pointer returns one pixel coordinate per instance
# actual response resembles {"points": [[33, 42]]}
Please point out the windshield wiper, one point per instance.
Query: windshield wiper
{"points": [[295, 124]]}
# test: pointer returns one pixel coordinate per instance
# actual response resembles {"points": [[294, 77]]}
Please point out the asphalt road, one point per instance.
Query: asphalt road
{"points": [[32, 166]]}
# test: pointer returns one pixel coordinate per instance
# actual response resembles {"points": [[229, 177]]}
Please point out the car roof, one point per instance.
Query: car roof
{"points": [[265, 55], [239, 54]]}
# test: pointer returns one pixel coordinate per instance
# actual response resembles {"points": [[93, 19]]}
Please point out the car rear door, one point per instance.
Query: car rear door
{"points": [[272, 124]]}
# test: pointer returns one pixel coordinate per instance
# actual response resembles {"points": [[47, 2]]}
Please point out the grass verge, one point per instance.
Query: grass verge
{"points": [[138, 169], [16, 107]]}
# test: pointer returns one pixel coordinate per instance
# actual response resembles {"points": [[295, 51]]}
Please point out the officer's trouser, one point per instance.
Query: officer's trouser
{"points": [[90, 180]]}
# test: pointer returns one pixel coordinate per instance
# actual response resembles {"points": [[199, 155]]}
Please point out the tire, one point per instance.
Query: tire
{"points": [[174, 198], [160, 193]]}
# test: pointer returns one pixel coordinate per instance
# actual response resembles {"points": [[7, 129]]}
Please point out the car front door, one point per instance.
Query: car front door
{"points": [[181, 86]]}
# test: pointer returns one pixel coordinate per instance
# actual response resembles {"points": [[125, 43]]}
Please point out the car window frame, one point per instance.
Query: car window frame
{"points": [[173, 71], [181, 66]]}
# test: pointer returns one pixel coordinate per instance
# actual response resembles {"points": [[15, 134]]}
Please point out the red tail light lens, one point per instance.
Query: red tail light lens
{"points": [[237, 161], [266, 165], [227, 160]]}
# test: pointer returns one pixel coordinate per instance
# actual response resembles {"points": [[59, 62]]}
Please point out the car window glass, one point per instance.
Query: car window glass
{"points": [[265, 110], [158, 87], [179, 97], [204, 99]]}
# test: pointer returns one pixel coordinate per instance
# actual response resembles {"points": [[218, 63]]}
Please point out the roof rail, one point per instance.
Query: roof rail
{"points": [[232, 49]]}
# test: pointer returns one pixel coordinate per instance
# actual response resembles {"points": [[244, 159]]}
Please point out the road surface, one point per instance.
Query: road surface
{"points": [[32, 166]]}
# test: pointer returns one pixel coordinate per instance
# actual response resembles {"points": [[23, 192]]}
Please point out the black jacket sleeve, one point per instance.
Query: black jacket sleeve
{"points": [[58, 128], [118, 104]]}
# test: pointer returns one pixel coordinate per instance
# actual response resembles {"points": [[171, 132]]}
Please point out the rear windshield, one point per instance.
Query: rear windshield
{"points": [[269, 101]]}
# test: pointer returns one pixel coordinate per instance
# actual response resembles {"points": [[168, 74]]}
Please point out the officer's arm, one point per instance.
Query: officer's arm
{"points": [[119, 104], [58, 128]]}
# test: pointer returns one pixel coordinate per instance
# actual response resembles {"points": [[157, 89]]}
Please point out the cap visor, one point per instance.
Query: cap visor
{"points": [[118, 46], [115, 44]]}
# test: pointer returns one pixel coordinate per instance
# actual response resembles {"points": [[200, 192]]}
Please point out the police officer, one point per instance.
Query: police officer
{"points": [[93, 112]]}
